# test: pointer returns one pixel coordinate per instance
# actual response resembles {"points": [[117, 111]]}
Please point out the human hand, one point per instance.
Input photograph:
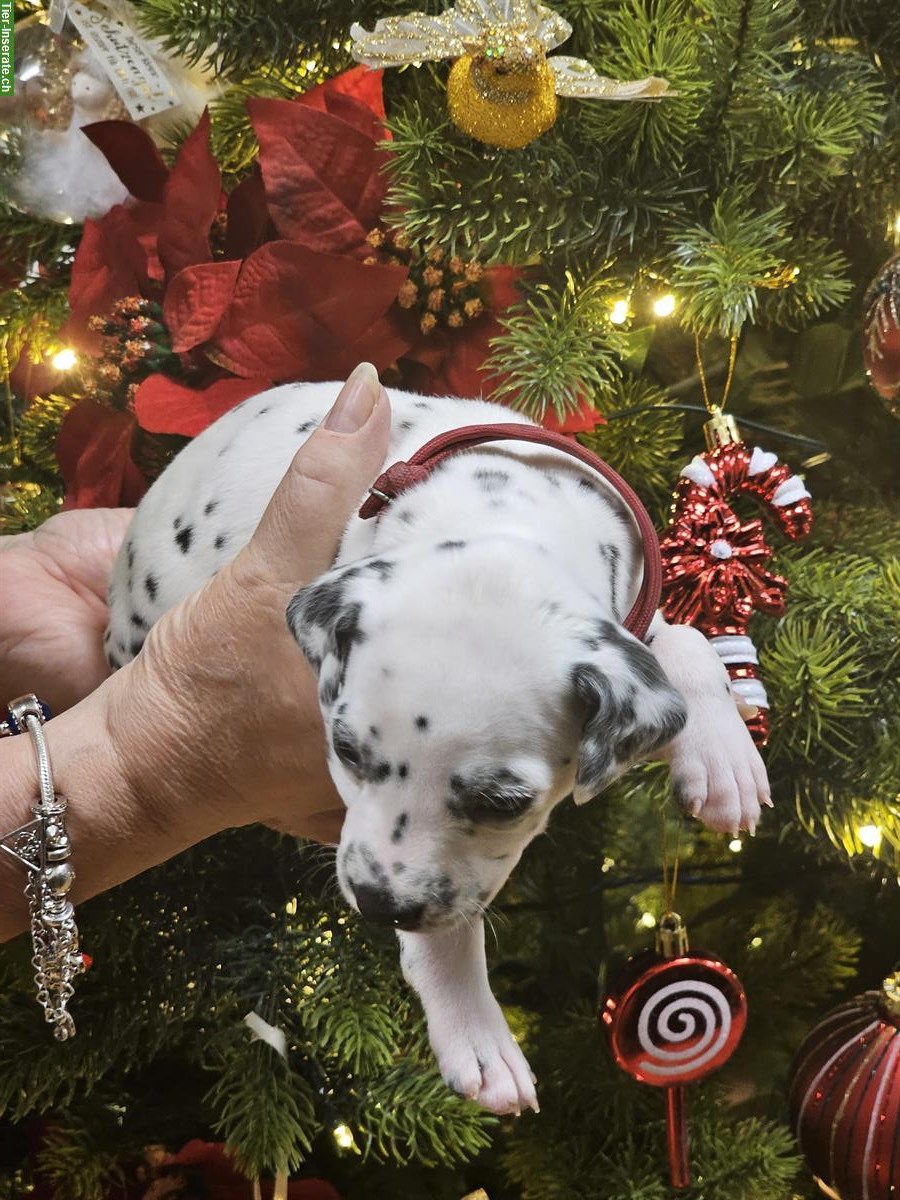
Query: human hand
{"points": [[53, 582], [217, 719]]}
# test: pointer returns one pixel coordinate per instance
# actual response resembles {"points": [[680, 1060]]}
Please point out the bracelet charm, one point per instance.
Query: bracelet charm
{"points": [[42, 846]]}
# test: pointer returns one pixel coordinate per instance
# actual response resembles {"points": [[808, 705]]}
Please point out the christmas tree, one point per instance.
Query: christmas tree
{"points": [[630, 266]]}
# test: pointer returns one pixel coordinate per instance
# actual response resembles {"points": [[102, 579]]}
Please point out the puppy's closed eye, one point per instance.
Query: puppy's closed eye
{"points": [[490, 797], [346, 747]]}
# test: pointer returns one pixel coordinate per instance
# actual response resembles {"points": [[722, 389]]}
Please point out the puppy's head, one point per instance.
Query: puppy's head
{"points": [[461, 705]]}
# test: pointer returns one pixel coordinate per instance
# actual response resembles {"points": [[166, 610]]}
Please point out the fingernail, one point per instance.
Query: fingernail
{"points": [[355, 402]]}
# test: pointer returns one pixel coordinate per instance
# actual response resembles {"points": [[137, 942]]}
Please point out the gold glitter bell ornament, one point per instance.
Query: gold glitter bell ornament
{"points": [[503, 87]]}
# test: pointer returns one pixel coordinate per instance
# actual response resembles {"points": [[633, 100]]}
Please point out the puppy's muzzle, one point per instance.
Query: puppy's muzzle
{"points": [[380, 905]]}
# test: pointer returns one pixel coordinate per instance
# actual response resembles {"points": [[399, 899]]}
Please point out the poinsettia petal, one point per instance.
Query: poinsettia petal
{"points": [[133, 155], [359, 83], [383, 343], [163, 405], [94, 455], [192, 194], [323, 177], [293, 307], [501, 283], [116, 257], [248, 216], [195, 301], [582, 420]]}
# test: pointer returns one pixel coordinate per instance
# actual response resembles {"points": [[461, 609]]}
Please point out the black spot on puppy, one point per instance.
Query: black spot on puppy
{"points": [[177, 522], [421, 722], [220, 541], [210, 507], [406, 426], [381, 567], [400, 827], [347, 632], [373, 730], [151, 586], [451, 545], [129, 554], [406, 516], [398, 868], [136, 646], [491, 481], [423, 404], [588, 485], [329, 688], [139, 623], [184, 538], [306, 426], [403, 770], [610, 554], [262, 412]]}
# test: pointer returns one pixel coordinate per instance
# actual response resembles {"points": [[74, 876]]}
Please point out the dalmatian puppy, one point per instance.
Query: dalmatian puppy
{"points": [[473, 672]]}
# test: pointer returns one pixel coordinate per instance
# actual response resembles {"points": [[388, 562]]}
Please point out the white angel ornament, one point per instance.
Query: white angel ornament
{"points": [[503, 87]]}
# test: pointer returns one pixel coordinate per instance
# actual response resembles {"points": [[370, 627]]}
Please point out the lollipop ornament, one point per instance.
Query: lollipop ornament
{"points": [[675, 1016]]}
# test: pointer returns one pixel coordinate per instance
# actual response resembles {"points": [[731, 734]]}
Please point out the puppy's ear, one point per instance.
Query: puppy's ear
{"points": [[324, 616], [632, 709]]}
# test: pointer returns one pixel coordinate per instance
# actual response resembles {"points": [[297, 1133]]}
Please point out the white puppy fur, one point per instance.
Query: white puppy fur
{"points": [[473, 673]]}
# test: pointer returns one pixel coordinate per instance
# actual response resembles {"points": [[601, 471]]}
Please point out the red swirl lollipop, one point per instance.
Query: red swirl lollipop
{"points": [[675, 1016]]}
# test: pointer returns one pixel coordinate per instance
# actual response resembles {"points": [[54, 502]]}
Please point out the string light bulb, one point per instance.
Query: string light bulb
{"points": [[619, 312], [664, 306], [65, 359], [735, 845], [343, 1135], [647, 921], [870, 836]]}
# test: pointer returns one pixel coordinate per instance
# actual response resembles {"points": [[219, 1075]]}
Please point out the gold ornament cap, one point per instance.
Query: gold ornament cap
{"points": [[672, 936], [890, 994], [720, 430]]}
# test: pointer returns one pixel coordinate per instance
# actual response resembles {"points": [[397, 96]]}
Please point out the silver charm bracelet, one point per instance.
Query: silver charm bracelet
{"points": [[42, 847]]}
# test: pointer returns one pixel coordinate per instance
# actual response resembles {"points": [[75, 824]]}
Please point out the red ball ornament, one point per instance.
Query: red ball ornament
{"points": [[845, 1097], [881, 334], [674, 1017], [715, 566]]}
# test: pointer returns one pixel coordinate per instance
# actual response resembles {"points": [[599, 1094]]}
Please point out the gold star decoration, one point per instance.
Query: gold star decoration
{"points": [[503, 86]]}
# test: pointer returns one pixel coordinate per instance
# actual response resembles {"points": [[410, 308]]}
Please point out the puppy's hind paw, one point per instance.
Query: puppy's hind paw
{"points": [[717, 773]]}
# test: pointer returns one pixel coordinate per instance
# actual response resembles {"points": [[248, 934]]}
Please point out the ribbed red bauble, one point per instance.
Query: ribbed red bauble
{"points": [[845, 1097], [881, 332]]}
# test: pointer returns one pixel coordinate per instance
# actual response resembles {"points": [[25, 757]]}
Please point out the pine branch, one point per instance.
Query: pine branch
{"points": [[556, 352]]}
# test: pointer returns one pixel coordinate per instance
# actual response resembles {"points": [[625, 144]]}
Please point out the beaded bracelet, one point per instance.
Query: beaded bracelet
{"points": [[42, 847]]}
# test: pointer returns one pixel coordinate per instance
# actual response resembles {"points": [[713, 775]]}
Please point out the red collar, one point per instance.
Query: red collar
{"points": [[402, 475]]}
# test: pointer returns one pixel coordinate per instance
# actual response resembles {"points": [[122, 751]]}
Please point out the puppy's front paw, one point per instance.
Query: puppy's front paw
{"points": [[480, 1059], [717, 773]]}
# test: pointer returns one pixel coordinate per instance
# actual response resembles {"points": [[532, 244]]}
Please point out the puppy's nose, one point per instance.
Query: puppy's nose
{"points": [[381, 906]]}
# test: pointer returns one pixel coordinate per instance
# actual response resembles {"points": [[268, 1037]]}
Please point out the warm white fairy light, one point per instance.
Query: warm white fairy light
{"points": [[619, 312], [735, 845], [664, 306], [647, 921], [870, 836], [65, 359], [343, 1135], [755, 943]]}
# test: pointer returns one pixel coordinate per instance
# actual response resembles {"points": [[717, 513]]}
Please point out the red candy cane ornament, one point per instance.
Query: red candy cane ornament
{"points": [[715, 566]]}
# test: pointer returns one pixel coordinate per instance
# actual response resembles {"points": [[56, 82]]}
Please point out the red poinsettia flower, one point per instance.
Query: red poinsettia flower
{"points": [[272, 283], [714, 567]]}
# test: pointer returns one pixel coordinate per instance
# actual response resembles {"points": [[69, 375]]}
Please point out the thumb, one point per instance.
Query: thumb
{"points": [[299, 533]]}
